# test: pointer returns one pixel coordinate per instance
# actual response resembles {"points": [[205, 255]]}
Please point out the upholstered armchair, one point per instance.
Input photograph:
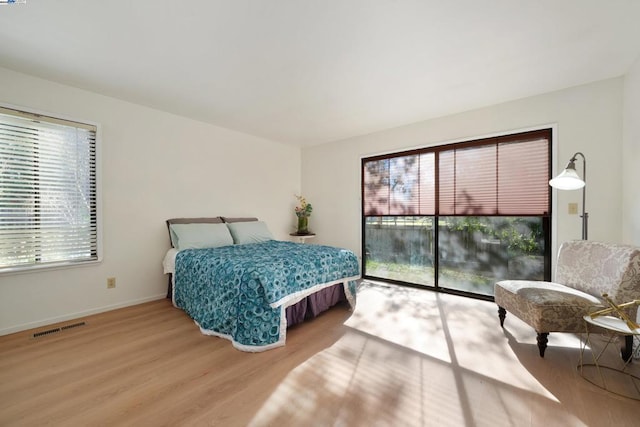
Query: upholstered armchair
{"points": [[584, 271]]}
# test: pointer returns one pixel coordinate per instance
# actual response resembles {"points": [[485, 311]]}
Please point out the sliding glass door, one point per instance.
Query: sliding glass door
{"points": [[459, 217]]}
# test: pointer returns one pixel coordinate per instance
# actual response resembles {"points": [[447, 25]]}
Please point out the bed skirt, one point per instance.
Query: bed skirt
{"points": [[308, 307], [315, 304]]}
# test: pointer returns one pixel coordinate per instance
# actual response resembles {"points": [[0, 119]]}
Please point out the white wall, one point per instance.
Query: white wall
{"points": [[588, 119], [155, 166], [631, 157]]}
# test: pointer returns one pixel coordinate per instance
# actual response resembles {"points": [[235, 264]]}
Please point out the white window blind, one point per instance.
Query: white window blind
{"points": [[48, 191]]}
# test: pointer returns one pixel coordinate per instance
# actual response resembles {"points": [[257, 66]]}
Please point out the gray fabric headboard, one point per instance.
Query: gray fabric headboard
{"points": [[230, 220], [214, 220]]}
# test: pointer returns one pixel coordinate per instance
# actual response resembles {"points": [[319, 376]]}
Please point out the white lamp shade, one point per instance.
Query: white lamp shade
{"points": [[567, 180]]}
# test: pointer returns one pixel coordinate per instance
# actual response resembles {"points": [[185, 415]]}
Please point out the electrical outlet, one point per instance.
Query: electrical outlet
{"points": [[111, 282], [573, 208]]}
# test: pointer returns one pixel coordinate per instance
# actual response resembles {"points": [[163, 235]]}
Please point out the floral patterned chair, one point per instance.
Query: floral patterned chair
{"points": [[584, 271]]}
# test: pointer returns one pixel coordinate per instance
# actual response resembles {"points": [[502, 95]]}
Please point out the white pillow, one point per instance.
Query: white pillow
{"points": [[198, 236], [249, 232]]}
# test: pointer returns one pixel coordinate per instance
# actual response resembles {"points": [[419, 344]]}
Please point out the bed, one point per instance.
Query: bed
{"points": [[237, 282]]}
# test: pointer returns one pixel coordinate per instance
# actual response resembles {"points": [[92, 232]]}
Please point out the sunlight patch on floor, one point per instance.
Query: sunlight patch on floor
{"points": [[374, 382], [460, 331], [409, 318], [362, 376], [441, 360]]}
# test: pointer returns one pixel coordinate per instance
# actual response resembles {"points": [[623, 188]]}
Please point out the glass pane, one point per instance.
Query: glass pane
{"points": [[475, 185], [523, 178], [404, 185], [467, 182], [477, 251], [399, 248], [427, 184], [375, 185], [447, 183]]}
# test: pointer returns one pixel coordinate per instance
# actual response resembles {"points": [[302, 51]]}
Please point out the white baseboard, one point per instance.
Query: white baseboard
{"points": [[72, 316]]}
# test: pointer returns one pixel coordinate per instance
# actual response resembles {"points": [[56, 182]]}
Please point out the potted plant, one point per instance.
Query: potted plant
{"points": [[303, 212]]}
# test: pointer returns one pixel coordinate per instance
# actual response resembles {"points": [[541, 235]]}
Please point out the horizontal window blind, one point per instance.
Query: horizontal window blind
{"points": [[504, 176], [400, 185], [48, 205]]}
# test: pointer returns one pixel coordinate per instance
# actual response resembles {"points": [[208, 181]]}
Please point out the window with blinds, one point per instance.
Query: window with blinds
{"points": [[500, 176], [48, 191]]}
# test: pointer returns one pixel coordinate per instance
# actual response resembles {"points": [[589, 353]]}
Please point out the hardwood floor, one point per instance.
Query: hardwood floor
{"points": [[405, 357]]}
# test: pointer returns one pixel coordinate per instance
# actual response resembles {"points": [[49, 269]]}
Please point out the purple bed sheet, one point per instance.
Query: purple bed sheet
{"points": [[315, 304]]}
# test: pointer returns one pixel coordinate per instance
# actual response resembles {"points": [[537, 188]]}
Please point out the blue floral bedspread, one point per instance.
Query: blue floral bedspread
{"points": [[240, 292]]}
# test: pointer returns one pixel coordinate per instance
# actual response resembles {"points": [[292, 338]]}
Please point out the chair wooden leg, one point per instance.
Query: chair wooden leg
{"points": [[502, 313], [542, 342], [627, 351]]}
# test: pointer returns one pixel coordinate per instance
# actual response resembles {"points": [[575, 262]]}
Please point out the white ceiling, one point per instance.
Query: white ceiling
{"points": [[306, 72]]}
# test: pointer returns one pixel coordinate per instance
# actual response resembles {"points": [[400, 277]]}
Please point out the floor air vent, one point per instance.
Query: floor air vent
{"points": [[73, 325], [55, 330]]}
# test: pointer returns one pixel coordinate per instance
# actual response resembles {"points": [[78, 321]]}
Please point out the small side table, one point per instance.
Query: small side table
{"points": [[303, 237], [619, 381]]}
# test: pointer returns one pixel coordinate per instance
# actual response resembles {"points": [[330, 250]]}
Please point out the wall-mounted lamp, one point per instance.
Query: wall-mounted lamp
{"points": [[569, 180]]}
